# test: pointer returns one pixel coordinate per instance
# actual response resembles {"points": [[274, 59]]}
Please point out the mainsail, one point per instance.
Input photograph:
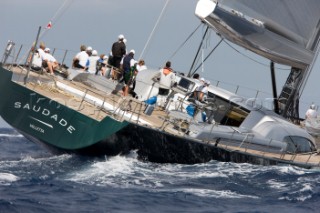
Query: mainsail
{"points": [[284, 31]]}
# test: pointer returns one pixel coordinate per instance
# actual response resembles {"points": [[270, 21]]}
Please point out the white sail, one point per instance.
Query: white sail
{"points": [[285, 31]]}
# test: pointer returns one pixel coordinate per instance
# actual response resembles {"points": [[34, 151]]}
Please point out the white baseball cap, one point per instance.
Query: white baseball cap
{"points": [[47, 49], [89, 48], [132, 51], [94, 52], [121, 36]]}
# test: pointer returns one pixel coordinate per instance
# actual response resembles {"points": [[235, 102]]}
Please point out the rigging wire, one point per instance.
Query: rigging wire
{"points": [[178, 49], [154, 28], [199, 48], [204, 46], [215, 47], [61, 10], [58, 14], [252, 58], [202, 60]]}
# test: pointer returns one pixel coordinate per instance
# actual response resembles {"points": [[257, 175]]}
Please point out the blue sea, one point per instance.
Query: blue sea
{"points": [[34, 180]]}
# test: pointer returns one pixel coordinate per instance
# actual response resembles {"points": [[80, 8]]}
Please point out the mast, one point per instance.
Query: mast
{"points": [[274, 88]]}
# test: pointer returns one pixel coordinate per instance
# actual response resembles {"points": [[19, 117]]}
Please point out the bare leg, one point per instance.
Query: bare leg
{"points": [[103, 71], [50, 67], [126, 90], [55, 65]]}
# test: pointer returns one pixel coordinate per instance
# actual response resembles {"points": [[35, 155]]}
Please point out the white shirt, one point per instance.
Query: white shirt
{"points": [[42, 54], [83, 58], [37, 61], [140, 68], [166, 81], [311, 114], [49, 57], [93, 63], [132, 62], [205, 90]]}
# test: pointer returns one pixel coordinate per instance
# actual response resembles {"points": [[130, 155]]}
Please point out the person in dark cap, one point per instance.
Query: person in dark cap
{"points": [[167, 79], [196, 76]]}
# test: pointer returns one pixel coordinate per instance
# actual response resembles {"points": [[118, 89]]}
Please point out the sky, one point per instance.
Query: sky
{"points": [[156, 28]]}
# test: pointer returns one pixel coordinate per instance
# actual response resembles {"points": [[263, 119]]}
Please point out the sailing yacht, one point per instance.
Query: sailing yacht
{"points": [[86, 114]]}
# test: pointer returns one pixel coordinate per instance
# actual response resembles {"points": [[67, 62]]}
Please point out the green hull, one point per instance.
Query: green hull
{"points": [[49, 122]]}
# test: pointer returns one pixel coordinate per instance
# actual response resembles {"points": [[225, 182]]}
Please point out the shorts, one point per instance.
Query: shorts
{"points": [[163, 91], [44, 64]]}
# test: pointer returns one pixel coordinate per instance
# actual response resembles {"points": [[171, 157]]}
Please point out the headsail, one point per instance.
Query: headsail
{"points": [[284, 31]]}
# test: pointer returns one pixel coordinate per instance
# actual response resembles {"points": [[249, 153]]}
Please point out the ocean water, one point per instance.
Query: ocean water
{"points": [[34, 180]]}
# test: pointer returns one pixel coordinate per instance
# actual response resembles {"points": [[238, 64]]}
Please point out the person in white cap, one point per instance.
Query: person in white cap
{"points": [[201, 92], [93, 62], [128, 61], [200, 82], [102, 65], [128, 66], [89, 50], [312, 112], [50, 61], [118, 50]]}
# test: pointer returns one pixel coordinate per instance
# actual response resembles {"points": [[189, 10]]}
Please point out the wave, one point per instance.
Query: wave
{"points": [[129, 171], [9, 132], [7, 178], [11, 135], [213, 179], [215, 193], [104, 172]]}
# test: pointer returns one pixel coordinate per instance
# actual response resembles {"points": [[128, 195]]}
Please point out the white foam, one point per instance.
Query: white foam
{"points": [[11, 136], [306, 187], [215, 193], [291, 170], [276, 185], [104, 172], [127, 171], [301, 195], [28, 159], [7, 178], [299, 198]]}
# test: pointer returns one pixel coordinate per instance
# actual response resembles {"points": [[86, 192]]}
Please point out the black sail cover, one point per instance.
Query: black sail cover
{"points": [[284, 31]]}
